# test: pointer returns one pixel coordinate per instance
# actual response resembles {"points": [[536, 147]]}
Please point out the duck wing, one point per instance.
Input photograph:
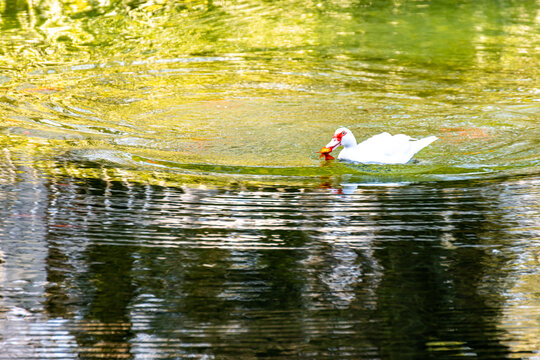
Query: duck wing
{"points": [[387, 149]]}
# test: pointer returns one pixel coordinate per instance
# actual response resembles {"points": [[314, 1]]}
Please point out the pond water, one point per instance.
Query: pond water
{"points": [[161, 195]]}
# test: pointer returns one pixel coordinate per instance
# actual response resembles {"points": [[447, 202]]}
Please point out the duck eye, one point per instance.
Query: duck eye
{"points": [[343, 133]]}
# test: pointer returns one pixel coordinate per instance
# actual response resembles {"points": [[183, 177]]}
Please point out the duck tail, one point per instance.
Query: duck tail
{"points": [[422, 143], [428, 140]]}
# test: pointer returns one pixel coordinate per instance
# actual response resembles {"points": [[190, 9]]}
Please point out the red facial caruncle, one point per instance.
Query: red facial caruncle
{"points": [[339, 136]]}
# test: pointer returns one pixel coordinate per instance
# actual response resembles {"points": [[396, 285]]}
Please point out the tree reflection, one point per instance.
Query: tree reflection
{"points": [[432, 33], [380, 272], [437, 287]]}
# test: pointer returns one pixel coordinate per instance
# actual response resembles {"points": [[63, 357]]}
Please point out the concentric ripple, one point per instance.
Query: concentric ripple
{"points": [[161, 195], [263, 90]]}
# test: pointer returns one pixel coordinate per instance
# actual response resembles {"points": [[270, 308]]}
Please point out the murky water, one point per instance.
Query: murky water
{"points": [[161, 195]]}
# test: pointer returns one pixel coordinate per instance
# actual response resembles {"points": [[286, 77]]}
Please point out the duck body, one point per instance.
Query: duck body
{"points": [[379, 149]]}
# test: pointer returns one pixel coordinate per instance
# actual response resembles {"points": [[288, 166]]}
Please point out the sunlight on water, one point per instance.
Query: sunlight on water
{"points": [[161, 194], [271, 95]]}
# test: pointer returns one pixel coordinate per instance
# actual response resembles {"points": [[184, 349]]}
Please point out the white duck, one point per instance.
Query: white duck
{"points": [[379, 149]]}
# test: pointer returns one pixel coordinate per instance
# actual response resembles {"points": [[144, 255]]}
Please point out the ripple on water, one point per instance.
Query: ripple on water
{"points": [[268, 119], [161, 195], [117, 268]]}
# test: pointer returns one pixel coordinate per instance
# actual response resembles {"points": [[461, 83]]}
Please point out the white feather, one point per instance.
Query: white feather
{"points": [[380, 149]]}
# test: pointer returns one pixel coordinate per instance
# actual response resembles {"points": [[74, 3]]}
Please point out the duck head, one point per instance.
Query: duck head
{"points": [[343, 137]]}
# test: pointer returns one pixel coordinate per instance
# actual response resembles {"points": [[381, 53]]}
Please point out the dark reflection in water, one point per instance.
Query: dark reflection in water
{"points": [[108, 269]]}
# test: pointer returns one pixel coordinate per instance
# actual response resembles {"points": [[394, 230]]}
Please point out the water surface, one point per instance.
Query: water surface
{"points": [[161, 195], [257, 88], [117, 269]]}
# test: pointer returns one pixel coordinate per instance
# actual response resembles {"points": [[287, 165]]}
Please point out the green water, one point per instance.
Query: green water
{"points": [[256, 88], [161, 195]]}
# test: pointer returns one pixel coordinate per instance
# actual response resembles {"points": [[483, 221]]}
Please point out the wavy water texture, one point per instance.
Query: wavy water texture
{"points": [[161, 196], [253, 88], [101, 268]]}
